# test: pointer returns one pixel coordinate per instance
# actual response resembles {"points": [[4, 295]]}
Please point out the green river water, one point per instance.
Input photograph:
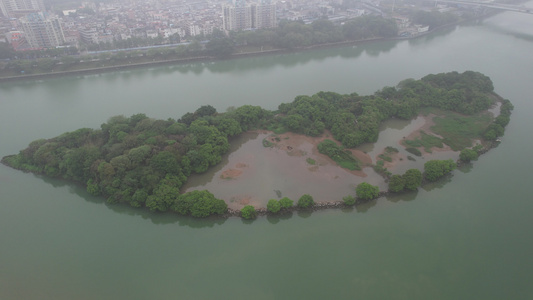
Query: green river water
{"points": [[465, 238]]}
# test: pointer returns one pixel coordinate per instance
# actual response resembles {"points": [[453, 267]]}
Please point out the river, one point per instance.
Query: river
{"points": [[465, 238]]}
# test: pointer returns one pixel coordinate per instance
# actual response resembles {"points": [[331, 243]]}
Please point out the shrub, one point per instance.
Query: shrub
{"points": [[413, 151], [412, 179], [366, 191], [273, 206], [396, 183], [267, 143], [248, 212], [468, 155], [349, 200], [390, 149], [286, 202], [306, 201]]}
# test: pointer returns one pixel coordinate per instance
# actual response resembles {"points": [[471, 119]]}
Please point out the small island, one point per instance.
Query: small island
{"points": [[146, 163]]}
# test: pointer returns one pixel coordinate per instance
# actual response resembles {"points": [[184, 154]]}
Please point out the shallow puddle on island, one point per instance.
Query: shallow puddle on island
{"points": [[253, 174], [262, 171]]}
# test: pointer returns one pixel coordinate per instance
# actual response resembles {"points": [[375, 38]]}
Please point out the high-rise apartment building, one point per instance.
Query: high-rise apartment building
{"points": [[264, 14], [242, 16], [42, 30], [18, 8]]}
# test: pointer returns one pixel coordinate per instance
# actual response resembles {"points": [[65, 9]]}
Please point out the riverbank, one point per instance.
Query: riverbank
{"points": [[206, 58], [179, 61]]}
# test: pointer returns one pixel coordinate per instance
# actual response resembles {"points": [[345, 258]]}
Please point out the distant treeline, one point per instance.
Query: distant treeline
{"points": [[288, 35], [144, 162]]}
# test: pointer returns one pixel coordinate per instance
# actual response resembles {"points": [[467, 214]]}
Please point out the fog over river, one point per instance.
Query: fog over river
{"points": [[467, 237]]}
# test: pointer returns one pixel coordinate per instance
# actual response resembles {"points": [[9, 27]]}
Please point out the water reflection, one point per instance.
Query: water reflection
{"points": [[349, 209], [438, 184], [423, 40], [407, 196], [466, 168], [363, 208], [518, 31], [124, 209], [273, 219], [304, 214], [266, 62]]}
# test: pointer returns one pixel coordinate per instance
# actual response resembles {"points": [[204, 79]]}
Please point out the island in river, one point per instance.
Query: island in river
{"points": [[152, 163]]}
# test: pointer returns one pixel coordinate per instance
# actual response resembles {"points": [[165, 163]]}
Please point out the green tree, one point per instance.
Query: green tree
{"points": [[306, 201], [467, 155], [412, 179], [220, 47], [396, 183], [165, 162], [273, 206], [366, 191], [248, 212], [162, 198], [199, 204], [435, 169], [285, 202], [92, 188], [349, 200]]}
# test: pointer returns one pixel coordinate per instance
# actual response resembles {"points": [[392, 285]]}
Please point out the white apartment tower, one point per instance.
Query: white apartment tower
{"points": [[16, 8], [42, 30], [242, 16], [264, 14]]}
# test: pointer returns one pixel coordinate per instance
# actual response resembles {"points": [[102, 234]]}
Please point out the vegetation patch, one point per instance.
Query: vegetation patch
{"points": [[459, 131], [425, 140], [366, 191], [311, 161], [306, 201], [435, 169], [413, 151], [248, 212], [385, 157], [267, 143], [380, 169], [391, 150], [343, 158]]}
